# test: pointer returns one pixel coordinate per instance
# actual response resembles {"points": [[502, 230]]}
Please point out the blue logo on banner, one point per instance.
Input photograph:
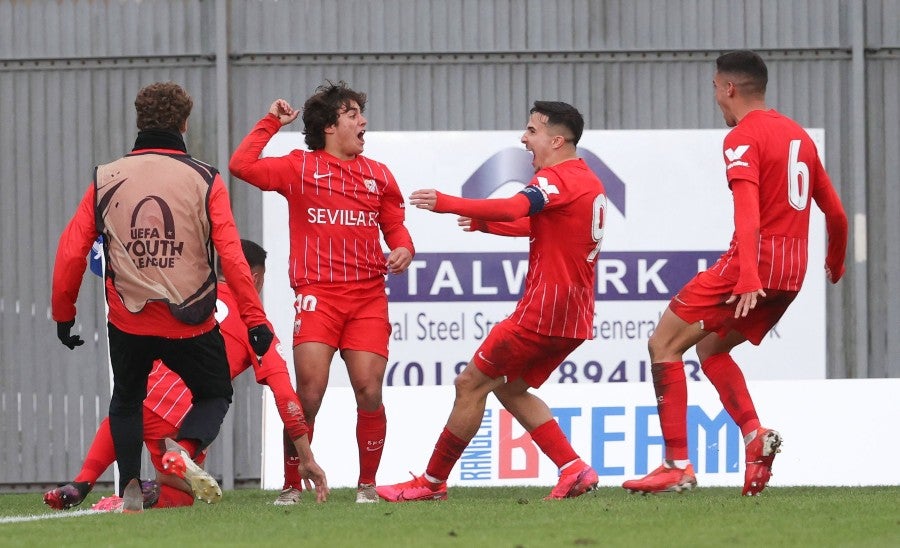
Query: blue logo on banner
{"points": [[96, 258]]}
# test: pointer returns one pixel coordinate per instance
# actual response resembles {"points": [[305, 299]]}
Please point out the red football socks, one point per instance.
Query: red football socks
{"points": [[447, 450], [100, 456], [291, 461], [170, 497], [671, 403], [726, 376], [371, 427], [550, 439], [192, 447]]}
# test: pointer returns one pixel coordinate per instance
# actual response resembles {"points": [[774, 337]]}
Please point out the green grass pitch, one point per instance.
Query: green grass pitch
{"points": [[490, 517]]}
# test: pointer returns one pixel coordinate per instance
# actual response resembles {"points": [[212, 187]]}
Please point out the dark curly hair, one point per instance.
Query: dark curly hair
{"points": [[163, 105], [322, 109]]}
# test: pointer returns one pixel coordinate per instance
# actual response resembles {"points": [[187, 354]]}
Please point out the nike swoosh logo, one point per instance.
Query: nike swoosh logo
{"points": [[402, 498], [320, 175]]}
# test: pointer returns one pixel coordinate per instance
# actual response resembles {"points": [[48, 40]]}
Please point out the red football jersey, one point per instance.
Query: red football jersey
{"points": [[565, 237], [337, 209], [169, 397], [774, 153]]}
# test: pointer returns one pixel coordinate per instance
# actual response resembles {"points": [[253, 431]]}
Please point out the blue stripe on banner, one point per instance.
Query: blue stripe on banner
{"points": [[500, 276]]}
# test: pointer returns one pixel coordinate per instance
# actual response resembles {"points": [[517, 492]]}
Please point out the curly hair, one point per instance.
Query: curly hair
{"points": [[163, 105], [322, 109]]}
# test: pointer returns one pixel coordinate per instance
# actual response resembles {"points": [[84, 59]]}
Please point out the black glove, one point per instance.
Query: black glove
{"points": [[63, 331], [260, 338]]}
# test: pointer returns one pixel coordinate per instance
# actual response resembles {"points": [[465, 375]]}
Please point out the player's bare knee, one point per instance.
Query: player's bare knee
{"points": [[466, 383], [310, 404], [665, 348], [368, 397], [656, 348], [462, 383]]}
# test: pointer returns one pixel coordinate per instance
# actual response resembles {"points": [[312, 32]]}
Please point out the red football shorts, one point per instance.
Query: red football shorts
{"points": [[512, 351], [346, 316], [156, 430], [703, 300]]}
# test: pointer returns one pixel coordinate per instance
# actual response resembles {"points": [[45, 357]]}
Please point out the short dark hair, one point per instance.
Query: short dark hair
{"points": [[561, 114], [163, 105], [748, 64], [322, 109], [253, 252]]}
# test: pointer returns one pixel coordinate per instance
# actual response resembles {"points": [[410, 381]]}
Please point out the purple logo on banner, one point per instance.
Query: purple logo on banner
{"points": [[500, 276]]}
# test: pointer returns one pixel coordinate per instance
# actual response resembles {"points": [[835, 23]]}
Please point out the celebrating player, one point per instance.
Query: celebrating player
{"points": [[773, 169], [339, 204], [562, 210]]}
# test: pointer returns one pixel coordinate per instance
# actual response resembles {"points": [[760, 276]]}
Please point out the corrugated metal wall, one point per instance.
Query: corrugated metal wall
{"points": [[69, 70]]}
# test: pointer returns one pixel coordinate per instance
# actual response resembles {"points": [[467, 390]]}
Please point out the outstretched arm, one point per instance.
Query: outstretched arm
{"points": [[519, 227], [475, 215], [495, 209]]}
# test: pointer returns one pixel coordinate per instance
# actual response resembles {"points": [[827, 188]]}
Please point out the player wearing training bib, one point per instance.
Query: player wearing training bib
{"points": [[161, 213], [169, 400]]}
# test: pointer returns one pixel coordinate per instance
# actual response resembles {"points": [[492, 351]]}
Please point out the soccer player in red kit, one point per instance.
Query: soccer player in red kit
{"points": [[339, 205], [773, 169], [562, 211], [168, 401]]}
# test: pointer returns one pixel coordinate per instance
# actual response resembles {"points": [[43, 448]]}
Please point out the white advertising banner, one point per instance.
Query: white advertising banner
{"points": [[836, 432], [669, 216]]}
